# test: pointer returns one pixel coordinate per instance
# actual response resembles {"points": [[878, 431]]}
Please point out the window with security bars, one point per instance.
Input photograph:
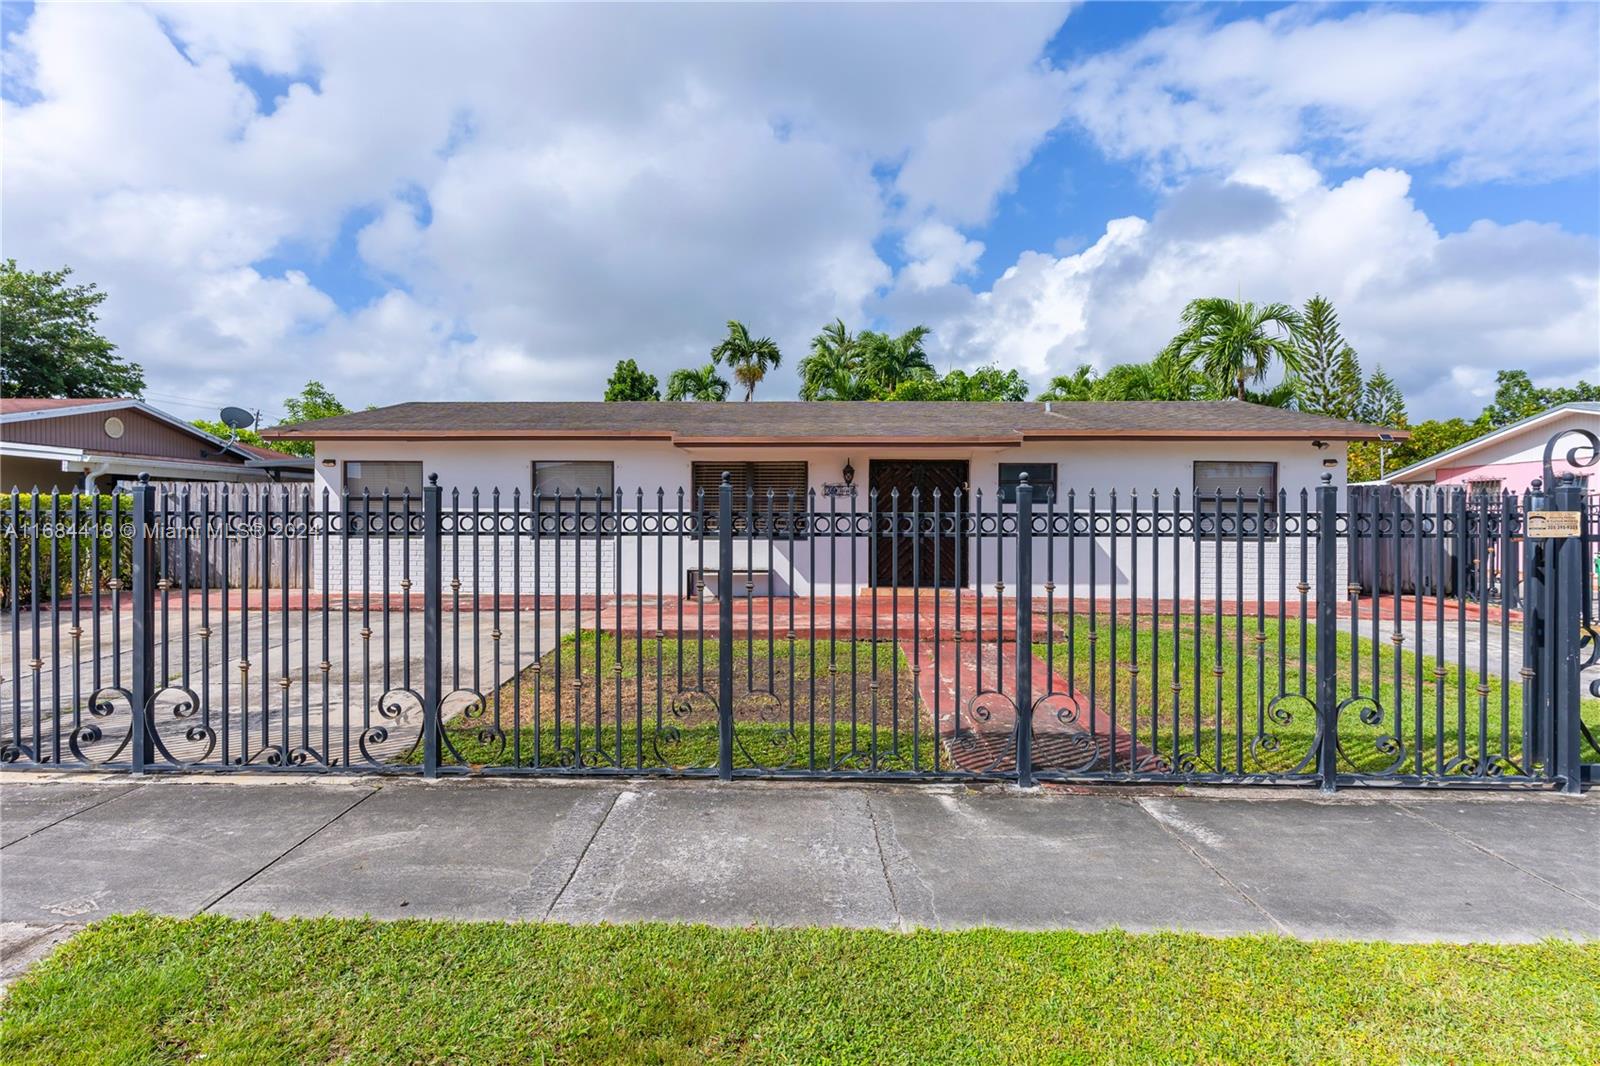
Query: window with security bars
{"points": [[751, 483], [1485, 487], [1225, 481], [375, 476]]}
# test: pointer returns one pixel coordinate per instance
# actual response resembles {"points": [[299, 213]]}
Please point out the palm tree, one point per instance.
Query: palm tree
{"points": [[887, 361], [702, 383], [833, 362], [748, 359], [1235, 343]]}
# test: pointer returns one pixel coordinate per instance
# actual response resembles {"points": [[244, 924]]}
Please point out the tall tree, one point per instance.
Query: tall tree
{"points": [[225, 432], [1235, 344], [747, 357], [887, 361], [49, 342], [1076, 386], [987, 384], [1326, 359], [628, 382], [702, 383], [1517, 397], [315, 401], [1347, 385], [1163, 378], [832, 370], [1382, 403]]}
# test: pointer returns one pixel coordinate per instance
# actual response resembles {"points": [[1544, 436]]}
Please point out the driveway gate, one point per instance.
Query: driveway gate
{"points": [[1126, 637]]}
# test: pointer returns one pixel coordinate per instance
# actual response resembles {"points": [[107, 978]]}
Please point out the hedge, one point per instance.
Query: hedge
{"points": [[56, 527]]}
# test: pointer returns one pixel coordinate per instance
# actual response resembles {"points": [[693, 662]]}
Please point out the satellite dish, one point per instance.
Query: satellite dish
{"points": [[237, 418]]}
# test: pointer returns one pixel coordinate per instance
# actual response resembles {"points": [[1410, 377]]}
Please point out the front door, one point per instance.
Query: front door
{"points": [[909, 560]]}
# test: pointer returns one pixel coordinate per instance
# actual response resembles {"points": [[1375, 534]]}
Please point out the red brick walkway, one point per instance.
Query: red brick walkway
{"points": [[929, 613]]}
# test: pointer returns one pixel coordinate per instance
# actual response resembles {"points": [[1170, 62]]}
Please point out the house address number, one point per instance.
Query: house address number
{"points": [[1554, 524]]}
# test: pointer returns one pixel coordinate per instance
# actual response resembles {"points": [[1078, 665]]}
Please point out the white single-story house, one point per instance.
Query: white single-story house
{"points": [[840, 450], [1509, 458]]}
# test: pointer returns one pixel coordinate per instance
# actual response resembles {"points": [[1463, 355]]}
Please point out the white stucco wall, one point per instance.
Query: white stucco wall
{"points": [[631, 564]]}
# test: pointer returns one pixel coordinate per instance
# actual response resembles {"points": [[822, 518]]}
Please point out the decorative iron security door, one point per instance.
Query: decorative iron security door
{"points": [[1419, 638], [912, 558]]}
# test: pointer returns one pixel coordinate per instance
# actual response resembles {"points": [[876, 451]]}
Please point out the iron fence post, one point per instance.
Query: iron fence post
{"points": [[1534, 560], [1566, 554], [725, 628], [432, 629], [142, 576], [1328, 633], [1024, 655]]}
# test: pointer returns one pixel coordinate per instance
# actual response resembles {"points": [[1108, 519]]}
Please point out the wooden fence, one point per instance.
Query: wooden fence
{"points": [[220, 558]]}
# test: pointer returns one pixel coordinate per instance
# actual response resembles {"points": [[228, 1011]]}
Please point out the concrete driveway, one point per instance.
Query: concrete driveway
{"points": [[326, 710]]}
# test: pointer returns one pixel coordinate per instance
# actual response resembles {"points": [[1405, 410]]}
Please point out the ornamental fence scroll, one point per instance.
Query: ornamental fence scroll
{"points": [[1118, 637]]}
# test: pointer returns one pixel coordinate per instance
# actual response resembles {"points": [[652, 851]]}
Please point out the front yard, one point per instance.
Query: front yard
{"points": [[157, 990], [1224, 687], [651, 702]]}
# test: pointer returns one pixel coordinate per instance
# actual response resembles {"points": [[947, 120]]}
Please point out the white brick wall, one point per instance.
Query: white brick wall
{"points": [[522, 566]]}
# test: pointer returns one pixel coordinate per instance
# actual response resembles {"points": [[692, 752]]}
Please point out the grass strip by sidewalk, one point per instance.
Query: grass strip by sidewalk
{"points": [[150, 990]]}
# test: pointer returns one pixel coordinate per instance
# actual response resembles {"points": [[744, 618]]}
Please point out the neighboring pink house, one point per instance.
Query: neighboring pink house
{"points": [[1509, 458]]}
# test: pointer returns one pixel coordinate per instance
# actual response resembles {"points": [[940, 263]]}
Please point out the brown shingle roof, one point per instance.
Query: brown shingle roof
{"points": [[794, 422]]}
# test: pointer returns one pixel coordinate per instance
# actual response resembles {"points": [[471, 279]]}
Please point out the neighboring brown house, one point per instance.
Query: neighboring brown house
{"points": [[92, 444]]}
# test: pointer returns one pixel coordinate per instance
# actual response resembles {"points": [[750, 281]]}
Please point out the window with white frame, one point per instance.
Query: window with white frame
{"points": [[401, 479], [1227, 480], [575, 483]]}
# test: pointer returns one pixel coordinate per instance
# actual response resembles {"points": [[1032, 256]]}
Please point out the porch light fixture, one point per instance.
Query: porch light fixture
{"points": [[849, 472], [1319, 445], [330, 462]]}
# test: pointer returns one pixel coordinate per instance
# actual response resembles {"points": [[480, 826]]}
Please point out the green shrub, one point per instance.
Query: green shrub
{"points": [[54, 525]]}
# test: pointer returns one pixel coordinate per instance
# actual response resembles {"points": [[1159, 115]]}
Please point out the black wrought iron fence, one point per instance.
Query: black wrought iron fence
{"points": [[1115, 637]]}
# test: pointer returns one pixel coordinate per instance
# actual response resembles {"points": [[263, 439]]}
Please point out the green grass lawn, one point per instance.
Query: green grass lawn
{"points": [[1247, 688], [635, 676], [156, 990]]}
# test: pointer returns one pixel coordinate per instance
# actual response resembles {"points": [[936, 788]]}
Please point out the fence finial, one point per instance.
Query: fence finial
{"points": [[433, 479], [144, 478], [727, 477], [1327, 479]]}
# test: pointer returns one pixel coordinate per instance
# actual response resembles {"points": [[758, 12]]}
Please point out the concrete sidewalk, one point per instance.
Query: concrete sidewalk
{"points": [[1401, 866]]}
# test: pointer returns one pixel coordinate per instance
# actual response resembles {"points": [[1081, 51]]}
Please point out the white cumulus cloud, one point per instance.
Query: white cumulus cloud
{"points": [[1440, 312]]}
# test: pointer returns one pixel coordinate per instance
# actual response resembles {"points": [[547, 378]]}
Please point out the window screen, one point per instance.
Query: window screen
{"points": [[375, 476], [778, 478], [572, 477], [1042, 476], [1485, 487], [1214, 480]]}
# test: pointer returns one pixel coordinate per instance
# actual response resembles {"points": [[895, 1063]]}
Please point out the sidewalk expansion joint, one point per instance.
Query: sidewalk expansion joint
{"points": [[1203, 861], [286, 852], [73, 814], [573, 873], [1591, 904], [883, 862]]}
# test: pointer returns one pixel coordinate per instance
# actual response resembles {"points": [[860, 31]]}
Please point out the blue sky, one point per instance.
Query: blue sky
{"points": [[499, 201]]}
